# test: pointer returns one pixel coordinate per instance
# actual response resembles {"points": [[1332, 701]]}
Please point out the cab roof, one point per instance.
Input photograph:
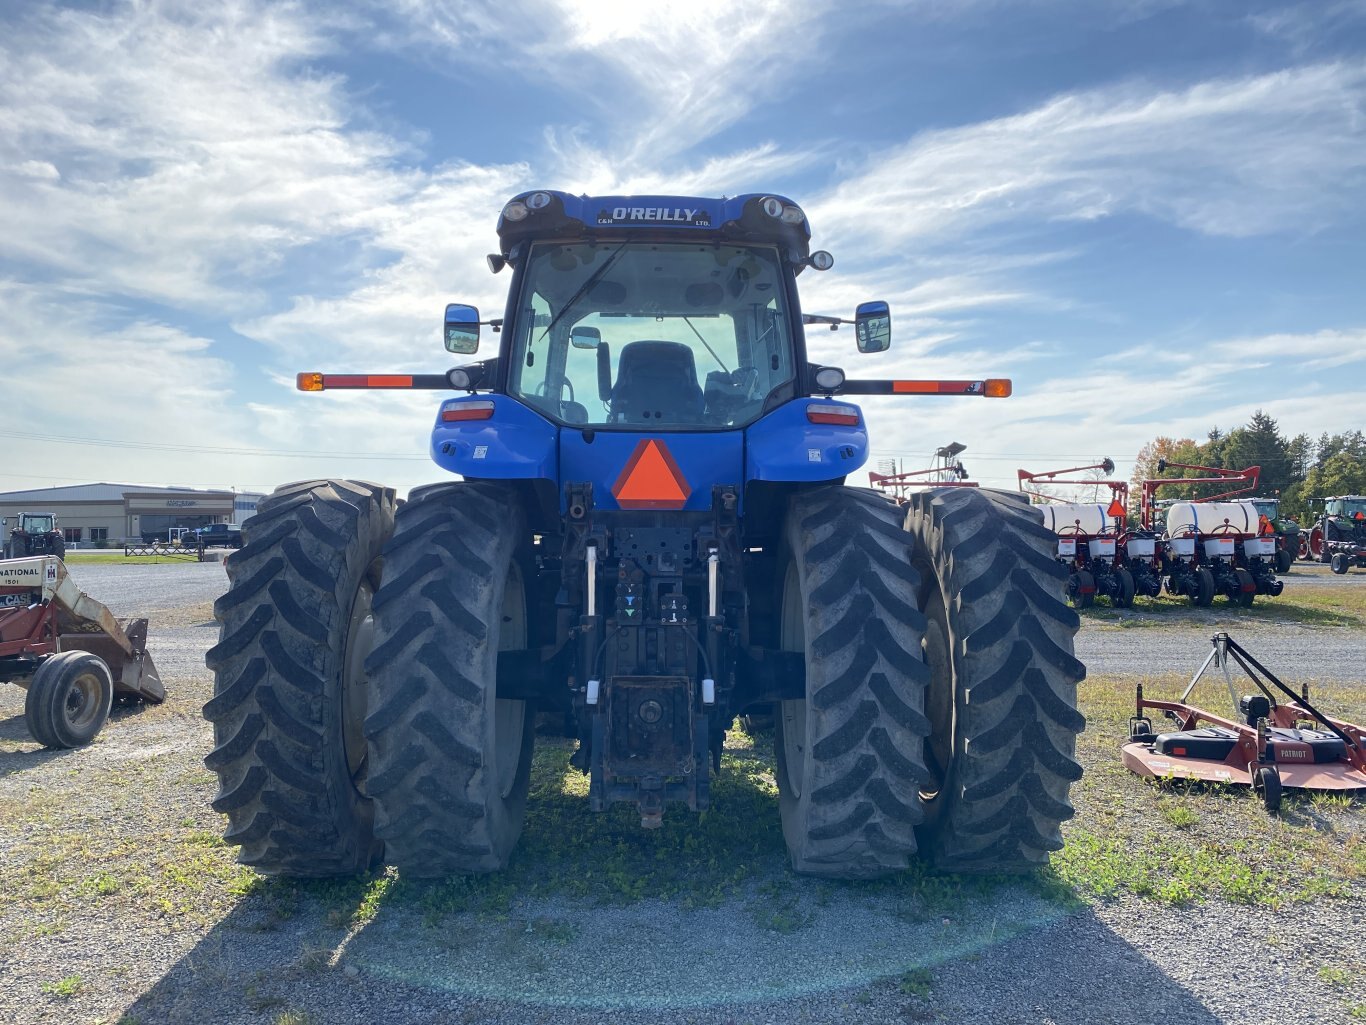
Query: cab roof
{"points": [[763, 218]]}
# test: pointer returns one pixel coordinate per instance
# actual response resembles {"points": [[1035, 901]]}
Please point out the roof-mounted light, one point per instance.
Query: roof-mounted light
{"points": [[793, 214], [515, 211], [538, 200], [821, 260], [460, 379], [772, 206]]}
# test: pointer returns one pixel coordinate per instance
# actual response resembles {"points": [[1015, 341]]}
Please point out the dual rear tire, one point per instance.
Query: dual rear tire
{"points": [[940, 711], [354, 704]]}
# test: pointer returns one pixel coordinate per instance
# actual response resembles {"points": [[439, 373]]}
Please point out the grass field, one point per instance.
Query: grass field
{"points": [[1306, 601]]}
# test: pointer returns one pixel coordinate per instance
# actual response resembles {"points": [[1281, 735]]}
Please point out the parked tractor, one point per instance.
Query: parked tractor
{"points": [[1285, 530], [32, 534], [1338, 536], [652, 537], [1102, 556]]}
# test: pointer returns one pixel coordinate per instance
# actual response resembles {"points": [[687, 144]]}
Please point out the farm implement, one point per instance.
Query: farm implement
{"points": [[1210, 547], [68, 652], [947, 472], [1270, 744], [651, 536], [1103, 557]]}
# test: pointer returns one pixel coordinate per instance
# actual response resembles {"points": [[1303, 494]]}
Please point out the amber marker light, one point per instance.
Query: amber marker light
{"points": [[309, 382], [998, 388]]}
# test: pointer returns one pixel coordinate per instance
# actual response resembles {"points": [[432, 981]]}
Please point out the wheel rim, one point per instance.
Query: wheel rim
{"points": [[360, 639], [939, 693], [792, 715], [509, 716], [82, 704]]}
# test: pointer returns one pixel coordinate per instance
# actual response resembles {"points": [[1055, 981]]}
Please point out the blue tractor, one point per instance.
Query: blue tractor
{"points": [[651, 535]]}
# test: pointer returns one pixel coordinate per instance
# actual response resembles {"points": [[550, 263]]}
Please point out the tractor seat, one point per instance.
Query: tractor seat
{"points": [[656, 382]]}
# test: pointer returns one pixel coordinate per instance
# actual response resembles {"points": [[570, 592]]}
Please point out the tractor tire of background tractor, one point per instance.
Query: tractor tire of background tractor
{"points": [[1002, 697], [16, 548], [849, 756], [452, 761], [1341, 563], [290, 693], [59, 548], [1204, 588], [68, 699], [1125, 598]]}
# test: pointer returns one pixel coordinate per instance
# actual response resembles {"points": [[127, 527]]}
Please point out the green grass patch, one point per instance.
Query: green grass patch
{"points": [[65, 988], [1302, 602]]}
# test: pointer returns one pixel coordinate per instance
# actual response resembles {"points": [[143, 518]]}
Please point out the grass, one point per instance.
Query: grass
{"points": [[1179, 843], [65, 988], [1303, 601], [117, 558]]}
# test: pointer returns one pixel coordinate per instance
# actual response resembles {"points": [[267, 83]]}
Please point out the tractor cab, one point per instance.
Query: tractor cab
{"points": [[37, 523]]}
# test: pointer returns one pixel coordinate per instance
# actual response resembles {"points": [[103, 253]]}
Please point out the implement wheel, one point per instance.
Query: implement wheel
{"points": [[290, 691], [1204, 588], [1081, 589], [68, 699], [1002, 698], [452, 761], [849, 754], [1125, 598], [1285, 558]]}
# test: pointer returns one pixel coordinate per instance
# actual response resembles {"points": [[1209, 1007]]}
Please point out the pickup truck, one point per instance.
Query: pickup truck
{"points": [[221, 535]]}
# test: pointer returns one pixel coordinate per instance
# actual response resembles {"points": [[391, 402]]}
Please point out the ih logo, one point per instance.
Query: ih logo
{"points": [[651, 479]]}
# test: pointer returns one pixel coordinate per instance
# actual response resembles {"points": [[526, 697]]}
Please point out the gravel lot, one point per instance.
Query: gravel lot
{"points": [[789, 950]]}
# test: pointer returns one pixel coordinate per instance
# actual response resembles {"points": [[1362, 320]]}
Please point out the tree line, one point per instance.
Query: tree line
{"points": [[1294, 469]]}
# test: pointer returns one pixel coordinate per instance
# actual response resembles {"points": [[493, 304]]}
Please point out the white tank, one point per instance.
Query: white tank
{"points": [[1212, 518], [1066, 519]]}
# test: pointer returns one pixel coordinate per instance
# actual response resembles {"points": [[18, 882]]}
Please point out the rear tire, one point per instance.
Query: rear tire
{"points": [[1002, 699], [289, 690], [849, 756], [59, 548], [68, 699], [452, 761]]}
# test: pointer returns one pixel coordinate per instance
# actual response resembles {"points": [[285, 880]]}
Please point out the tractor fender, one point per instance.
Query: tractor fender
{"points": [[515, 443], [786, 446]]}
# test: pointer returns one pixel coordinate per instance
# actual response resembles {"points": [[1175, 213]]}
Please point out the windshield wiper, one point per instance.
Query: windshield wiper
{"points": [[583, 289]]}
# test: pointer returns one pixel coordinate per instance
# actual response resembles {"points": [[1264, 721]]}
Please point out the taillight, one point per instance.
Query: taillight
{"points": [[459, 411], [830, 413]]}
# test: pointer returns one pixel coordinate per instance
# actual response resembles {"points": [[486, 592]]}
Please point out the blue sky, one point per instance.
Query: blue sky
{"points": [[1148, 213]]}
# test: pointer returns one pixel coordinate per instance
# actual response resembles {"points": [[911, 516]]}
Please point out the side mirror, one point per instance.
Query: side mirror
{"points": [[462, 328], [873, 327], [585, 337]]}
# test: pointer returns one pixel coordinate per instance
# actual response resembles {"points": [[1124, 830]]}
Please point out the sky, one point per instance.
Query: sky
{"points": [[1148, 213]]}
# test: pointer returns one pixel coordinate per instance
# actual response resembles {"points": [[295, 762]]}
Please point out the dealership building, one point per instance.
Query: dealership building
{"points": [[113, 513]]}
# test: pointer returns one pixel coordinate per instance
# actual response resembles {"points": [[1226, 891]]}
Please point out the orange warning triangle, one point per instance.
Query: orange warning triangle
{"points": [[651, 479], [1116, 510]]}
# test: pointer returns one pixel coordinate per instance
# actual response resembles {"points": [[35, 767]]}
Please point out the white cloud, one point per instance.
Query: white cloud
{"points": [[1271, 153]]}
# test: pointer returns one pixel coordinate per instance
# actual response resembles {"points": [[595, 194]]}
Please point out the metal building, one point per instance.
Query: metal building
{"points": [[114, 513]]}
